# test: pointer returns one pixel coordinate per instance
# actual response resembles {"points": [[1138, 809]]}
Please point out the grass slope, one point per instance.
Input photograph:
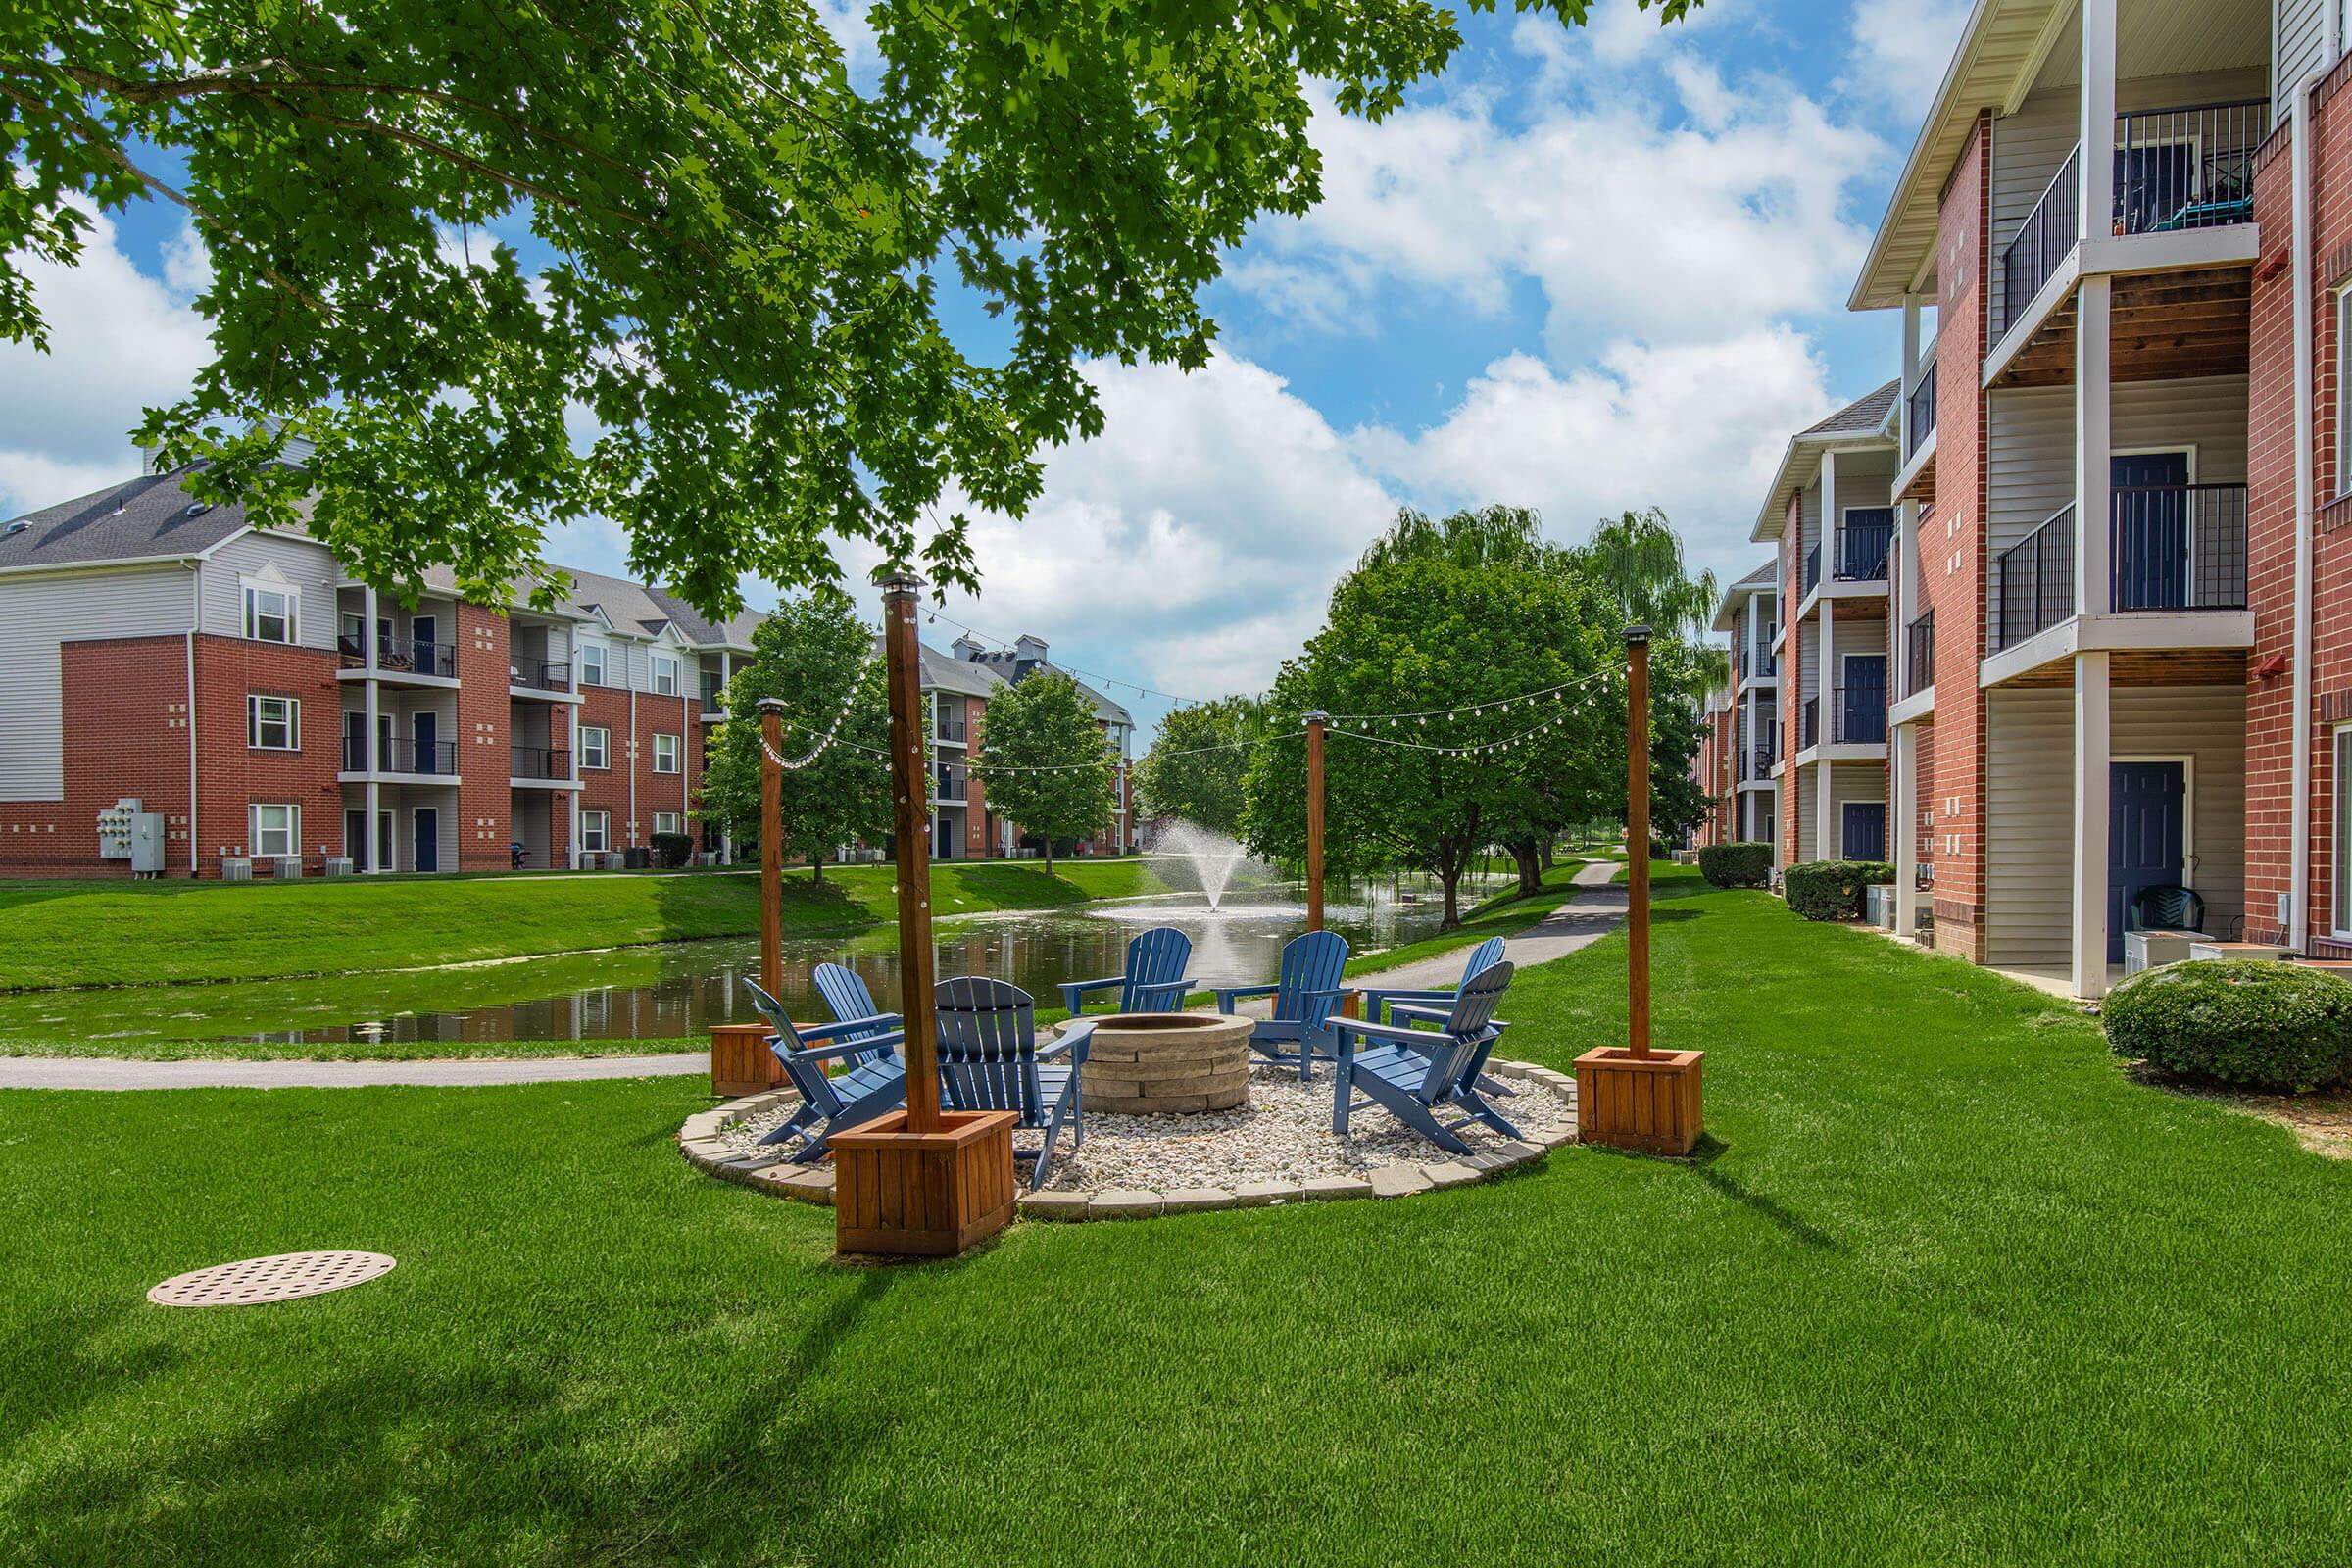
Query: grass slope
{"points": [[124, 933], [1947, 1288]]}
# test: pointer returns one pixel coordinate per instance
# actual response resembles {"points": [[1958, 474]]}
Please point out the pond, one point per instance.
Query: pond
{"points": [[675, 990]]}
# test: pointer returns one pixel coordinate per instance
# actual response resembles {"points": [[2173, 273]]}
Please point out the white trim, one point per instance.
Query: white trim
{"points": [[2188, 806], [2340, 901], [249, 615], [599, 824], [652, 674], [604, 747], [678, 752], [293, 828], [293, 722], [2343, 389]]}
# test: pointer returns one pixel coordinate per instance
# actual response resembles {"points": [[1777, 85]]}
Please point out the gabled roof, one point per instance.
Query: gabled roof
{"points": [[1764, 579], [1009, 663], [946, 673], [151, 518], [1860, 425]]}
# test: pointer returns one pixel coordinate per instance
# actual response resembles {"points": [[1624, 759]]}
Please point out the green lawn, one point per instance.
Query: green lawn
{"points": [[126, 933], [1945, 1287]]}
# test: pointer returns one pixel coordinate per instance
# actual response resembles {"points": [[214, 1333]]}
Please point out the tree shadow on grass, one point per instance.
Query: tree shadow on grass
{"points": [[1702, 1164], [1017, 885]]}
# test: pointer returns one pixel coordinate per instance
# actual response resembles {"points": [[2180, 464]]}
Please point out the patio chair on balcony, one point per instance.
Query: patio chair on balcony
{"points": [[873, 1082], [1402, 1074], [1155, 980], [989, 1061], [1307, 992]]}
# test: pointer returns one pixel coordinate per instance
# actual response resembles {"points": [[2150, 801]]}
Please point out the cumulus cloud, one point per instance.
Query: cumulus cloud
{"points": [[1900, 49], [119, 341]]}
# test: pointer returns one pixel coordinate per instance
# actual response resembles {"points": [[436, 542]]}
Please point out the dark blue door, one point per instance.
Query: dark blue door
{"points": [[1863, 543], [2151, 530], [2147, 815], [1864, 716], [1866, 830], [426, 729], [428, 838]]}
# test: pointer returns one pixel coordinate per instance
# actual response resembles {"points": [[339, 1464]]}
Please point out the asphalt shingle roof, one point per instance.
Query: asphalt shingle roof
{"points": [[1859, 418], [151, 518]]}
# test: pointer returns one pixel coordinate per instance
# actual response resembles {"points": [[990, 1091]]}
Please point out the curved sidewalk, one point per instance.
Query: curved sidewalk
{"points": [[1583, 919]]}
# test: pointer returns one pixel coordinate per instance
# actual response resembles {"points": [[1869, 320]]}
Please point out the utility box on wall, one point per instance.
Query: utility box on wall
{"points": [[127, 831], [147, 844]]}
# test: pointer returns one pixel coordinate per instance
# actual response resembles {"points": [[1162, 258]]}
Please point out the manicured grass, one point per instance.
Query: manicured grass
{"points": [[1945, 1287], [122, 933]]}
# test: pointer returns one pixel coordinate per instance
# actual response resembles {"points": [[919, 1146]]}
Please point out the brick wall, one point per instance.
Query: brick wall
{"points": [[2270, 521], [232, 777], [607, 790], [126, 733], [485, 741], [1952, 557]]}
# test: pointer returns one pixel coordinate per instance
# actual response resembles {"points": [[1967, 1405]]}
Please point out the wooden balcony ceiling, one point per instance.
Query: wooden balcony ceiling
{"points": [[2156, 666], [2164, 326]]}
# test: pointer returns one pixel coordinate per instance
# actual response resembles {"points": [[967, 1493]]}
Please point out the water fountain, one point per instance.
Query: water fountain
{"points": [[1211, 857]]}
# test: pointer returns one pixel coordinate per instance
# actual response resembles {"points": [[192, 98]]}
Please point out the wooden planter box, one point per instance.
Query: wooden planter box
{"points": [[740, 1062], [904, 1194], [1647, 1104]]}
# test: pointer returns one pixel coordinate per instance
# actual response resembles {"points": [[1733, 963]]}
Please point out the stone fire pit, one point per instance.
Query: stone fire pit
{"points": [[1162, 1064]]}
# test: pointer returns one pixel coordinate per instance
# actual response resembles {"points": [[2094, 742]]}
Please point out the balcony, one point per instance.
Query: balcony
{"points": [[540, 762], [949, 728], [540, 675], [1808, 725], [1811, 577], [1918, 655], [1858, 715], [714, 694], [1766, 751], [1863, 547], [949, 787], [401, 755], [401, 656], [2178, 546], [1920, 419], [2034, 582], [1757, 664], [2175, 171]]}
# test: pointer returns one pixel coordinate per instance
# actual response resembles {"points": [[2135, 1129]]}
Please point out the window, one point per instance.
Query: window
{"points": [[594, 740], [665, 753], [669, 822], [592, 663], [2344, 391], [270, 613], [2343, 831], [595, 831], [273, 723], [276, 830], [665, 675]]}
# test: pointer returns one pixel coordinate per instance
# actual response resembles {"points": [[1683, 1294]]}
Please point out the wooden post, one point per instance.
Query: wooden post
{"points": [[910, 812], [1315, 721], [1629, 1096], [771, 847], [1637, 838]]}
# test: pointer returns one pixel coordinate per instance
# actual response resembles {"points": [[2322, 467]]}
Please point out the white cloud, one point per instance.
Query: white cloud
{"points": [[119, 341], [1900, 50], [1685, 211], [1695, 428]]}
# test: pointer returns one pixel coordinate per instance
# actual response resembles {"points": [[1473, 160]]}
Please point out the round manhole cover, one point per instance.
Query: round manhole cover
{"points": [[280, 1278]]}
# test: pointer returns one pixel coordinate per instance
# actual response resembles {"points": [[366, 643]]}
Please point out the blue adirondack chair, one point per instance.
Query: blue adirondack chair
{"points": [[876, 1082], [843, 991], [1306, 992], [1376, 1000], [1399, 1072], [1155, 980], [989, 1061]]}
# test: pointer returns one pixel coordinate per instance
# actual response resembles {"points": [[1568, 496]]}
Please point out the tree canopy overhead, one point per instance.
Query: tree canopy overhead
{"points": [[737, 255]]}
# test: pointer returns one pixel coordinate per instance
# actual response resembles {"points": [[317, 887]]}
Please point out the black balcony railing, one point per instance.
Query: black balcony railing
{"points": [[1767, 748], [2034, 582], [1918, 655], [1808, 725], [417, 656], [2188, 167], [355, 755], [541, 675], [2049, 234], [950, 787], [1757, 664], [714, 694], [1812, 576], [1863, 542], [1858, 715], [947, 727], [1922, 416], [540, 761], [435, 758], [2178, 546]]}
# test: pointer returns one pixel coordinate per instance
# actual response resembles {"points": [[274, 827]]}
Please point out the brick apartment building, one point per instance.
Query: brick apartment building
{"points": [[2073, 713], [270, 710]]}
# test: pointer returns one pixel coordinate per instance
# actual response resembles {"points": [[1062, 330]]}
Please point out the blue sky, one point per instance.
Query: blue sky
{"points": [[1586, 271]]}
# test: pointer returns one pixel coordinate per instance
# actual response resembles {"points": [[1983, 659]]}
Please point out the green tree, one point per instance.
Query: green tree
{"points": [[1677, 802], [1640, 559], [1044, 763], [1199, 761], [816, 654], [734, 254], [1421, 624]]}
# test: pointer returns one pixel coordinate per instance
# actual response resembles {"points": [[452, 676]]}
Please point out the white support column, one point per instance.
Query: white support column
{"points": [[2096, 164], [1828, 520], [572, 850], [2091, 731], [1903, 823], [1910, 378], [1825, 726], [372, 837], [2093, 481]]}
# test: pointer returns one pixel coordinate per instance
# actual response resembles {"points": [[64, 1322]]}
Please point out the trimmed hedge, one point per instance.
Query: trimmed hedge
{"points": [[1831, 890], [2252, 1022], [1744, 865], [672, 850]]}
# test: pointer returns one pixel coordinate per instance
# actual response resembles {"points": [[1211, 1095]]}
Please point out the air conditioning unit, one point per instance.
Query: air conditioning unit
{"points": [[235, 868], [1880, 899], [288, 866], [338, 865]]}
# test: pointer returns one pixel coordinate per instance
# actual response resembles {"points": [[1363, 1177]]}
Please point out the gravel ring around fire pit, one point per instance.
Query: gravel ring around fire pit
{"points": [[1277, 1149]]}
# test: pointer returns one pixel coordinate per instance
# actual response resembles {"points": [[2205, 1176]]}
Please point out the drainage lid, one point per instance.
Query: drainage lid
{"points": [[281, 1277]]}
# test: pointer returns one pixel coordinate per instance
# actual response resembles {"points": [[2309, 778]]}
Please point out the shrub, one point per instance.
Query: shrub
{"points": [[1831, 890], [2256, 1023], [1735, 865], [672, 850]]}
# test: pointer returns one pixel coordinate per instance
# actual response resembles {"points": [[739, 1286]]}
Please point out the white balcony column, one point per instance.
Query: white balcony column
{"points": [[2092, 732], [2097, 162], [1828, 520], [572, 851], [1903, 823], [1824, 727], [1910, 378], [371, 845], [2093, 481]]}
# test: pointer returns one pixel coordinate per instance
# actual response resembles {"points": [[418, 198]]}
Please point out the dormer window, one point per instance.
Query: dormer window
{"points": [[271, 613]]}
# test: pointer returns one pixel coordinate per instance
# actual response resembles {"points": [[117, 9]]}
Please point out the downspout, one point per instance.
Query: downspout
{"points": [[195, 619], [2298, 930]]}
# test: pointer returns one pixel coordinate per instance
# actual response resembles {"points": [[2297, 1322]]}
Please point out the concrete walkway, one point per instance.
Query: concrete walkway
{"points": [[1588, 917]]}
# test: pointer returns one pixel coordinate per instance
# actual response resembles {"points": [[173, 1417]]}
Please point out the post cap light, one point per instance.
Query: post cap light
{"points": [[771, 704], [1637, 636]]}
